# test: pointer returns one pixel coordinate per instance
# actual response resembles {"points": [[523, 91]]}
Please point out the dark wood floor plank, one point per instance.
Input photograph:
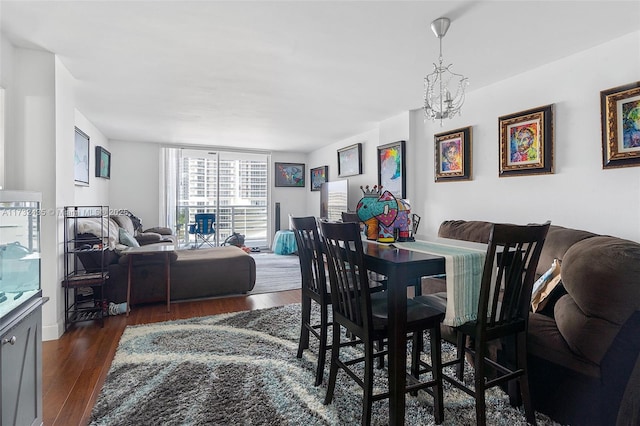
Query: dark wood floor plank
{"points": [[76, 365]]}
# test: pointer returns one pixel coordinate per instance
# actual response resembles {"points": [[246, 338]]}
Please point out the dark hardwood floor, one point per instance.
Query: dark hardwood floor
{"points": [[75, 366]]}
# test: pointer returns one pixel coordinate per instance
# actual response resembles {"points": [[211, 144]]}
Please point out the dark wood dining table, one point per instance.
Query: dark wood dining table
{"points": [[402, 268]]}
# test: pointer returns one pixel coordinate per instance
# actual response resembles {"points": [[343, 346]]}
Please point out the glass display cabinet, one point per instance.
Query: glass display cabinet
{"points": [[20, 308], [19, 249]]}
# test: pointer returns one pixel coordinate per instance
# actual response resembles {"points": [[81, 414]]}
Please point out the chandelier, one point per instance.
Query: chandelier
{"points": [[443, 89]]}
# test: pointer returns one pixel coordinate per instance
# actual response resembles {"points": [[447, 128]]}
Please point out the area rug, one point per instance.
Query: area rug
{"points": [[241, 369], [276, 272]]}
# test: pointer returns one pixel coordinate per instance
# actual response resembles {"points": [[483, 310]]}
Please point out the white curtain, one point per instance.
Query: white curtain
{"points": [[169, 160]]}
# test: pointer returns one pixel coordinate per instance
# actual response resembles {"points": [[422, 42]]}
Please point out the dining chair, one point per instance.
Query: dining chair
{"points": [[503, 314], [314, 288], [366, 317]]}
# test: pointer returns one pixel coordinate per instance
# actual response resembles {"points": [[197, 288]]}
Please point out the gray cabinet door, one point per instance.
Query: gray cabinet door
{"points": [[21, 371]]}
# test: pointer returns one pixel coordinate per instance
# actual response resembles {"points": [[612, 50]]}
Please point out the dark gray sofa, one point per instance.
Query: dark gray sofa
{"points": [[584, 348], [194, 273]]}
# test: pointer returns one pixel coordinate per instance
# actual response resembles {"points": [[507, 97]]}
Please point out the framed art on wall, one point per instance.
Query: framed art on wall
{"points": [[526, 142], [453, 158], [81, 158], [392, 168], [319, 175], [350, 160], [289, 174], [620, 111], [103, 163]]}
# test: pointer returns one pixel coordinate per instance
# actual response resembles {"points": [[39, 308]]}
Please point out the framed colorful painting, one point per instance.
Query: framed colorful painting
{"points": [[453, 155], [350, 160], [319, 175], [526, 142], [392, 169], [289, 174], [620, 110]]}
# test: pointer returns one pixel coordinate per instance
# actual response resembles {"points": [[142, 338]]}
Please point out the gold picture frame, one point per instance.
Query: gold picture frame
{"points": [[620, 112], [526, 142], [453, 156]]}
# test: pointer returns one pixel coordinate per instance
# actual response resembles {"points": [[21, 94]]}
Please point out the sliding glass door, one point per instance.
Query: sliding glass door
{"points": [[233, 185]]}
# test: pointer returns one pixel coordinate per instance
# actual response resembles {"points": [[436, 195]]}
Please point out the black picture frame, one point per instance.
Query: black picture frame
{"points": [[350, 160], [318, 176], [289, 175], [392, 173], [81, 158], [103, 163]]}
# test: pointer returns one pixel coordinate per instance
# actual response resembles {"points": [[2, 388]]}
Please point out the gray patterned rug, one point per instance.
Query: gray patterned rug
{"points": [[241, 369], [275, 272]]}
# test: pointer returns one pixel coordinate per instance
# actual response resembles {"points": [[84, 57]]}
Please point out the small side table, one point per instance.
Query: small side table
{"points": [[152, 249], [284, 242]]}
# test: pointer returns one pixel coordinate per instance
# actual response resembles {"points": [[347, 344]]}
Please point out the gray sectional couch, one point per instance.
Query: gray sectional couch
{"points": [[584, 347], [195, 274]]}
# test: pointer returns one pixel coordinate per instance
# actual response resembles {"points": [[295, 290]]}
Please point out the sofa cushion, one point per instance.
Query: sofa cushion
{"points": [[162, 230], [125, 222], [587, 336], [148, 237], [127, 239], [545, 341], [601, 274], [558, 241], [473, 230]]}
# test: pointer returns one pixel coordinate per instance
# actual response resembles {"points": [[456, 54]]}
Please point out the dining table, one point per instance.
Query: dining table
{"points": [[403, 267]]}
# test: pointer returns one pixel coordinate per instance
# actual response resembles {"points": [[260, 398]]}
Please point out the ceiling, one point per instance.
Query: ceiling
{"points": [[292, 75]]}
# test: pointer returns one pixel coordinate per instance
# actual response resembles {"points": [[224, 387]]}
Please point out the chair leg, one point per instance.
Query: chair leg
{"points": [[367, 400], [322, 349], [481, 408], [460, 342], [303, 342], [416, 349], [333, 371], [436, 371], [521, 350], [380, 346]]}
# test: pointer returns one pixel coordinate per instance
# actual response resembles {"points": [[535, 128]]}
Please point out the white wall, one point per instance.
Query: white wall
{"points": [[97, 193], [38, 156], [328, 156], [580, 194], [135, 181]]}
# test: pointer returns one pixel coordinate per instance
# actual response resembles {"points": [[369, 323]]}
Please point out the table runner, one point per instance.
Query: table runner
{"points": [[464, 267]]}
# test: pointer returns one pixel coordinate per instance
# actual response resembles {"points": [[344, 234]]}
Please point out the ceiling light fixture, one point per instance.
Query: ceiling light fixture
{"points": [[443, 89]]}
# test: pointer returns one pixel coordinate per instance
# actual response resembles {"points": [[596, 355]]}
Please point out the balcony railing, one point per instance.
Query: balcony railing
{"points": [[251, 221]]}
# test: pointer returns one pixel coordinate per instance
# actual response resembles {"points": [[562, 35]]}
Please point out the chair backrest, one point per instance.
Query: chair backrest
{"points": [[509, 274], [205, 223], [311, 255], [350, 295], [350, 217]]}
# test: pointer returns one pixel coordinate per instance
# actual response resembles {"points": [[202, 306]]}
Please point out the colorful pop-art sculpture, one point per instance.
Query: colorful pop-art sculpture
{"points": [[385, 217]]}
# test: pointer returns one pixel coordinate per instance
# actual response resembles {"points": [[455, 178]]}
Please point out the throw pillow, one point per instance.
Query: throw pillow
{"points": [[543, 287], [127, 239]]}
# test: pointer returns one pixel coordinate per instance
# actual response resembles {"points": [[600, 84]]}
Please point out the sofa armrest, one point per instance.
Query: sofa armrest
{"points": [[159, 230]]}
